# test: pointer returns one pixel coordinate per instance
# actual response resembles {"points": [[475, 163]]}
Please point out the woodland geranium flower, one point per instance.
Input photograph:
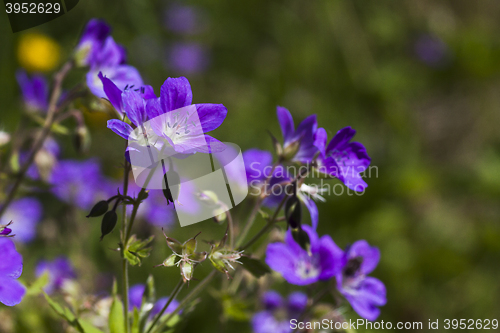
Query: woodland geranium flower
{"points": [[303, 143], [278, 312], [345, 160], [11, 267], [258, 166], [183, 131], [297, 266], [80, 183], [25, 213], [94, 34], [59, 270], [364, 293], [35, 91]]}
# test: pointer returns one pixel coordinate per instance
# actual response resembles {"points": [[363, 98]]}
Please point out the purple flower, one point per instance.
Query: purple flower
{"points": [[35, 91], [25, 213], [303, 143], [258, 165], [183, 19], [110, 61], [431, 50], [345, 160], [270, 320], [98, 50], [364, 293], [59, 270], [94, 34], [188, 58], [11, 267], [45, 160], [175, 93], [160, 303], [135, 294], [300, 268], [80, 183]]}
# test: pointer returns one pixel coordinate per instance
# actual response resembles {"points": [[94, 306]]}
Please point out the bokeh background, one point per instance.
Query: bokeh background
{"points": [[419, 81]]}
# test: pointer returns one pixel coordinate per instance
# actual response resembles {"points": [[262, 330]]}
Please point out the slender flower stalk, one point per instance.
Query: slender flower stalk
{"points": [[170, 299], [40, 139]]}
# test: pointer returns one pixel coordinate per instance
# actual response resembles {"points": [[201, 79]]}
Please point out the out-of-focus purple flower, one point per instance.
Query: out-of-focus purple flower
{"points": [[11, 267], [269, 321], [431, 50], [300, 268], [188, 58], [303, 143], [345, 160], [160, 303], [364, 293], [175, 93], [135, 294], [94, 34], [45, 160], [110, 61], [25, 213], [98, 50], [183, 19], [35, 91], [80, 183], [59, 270]]}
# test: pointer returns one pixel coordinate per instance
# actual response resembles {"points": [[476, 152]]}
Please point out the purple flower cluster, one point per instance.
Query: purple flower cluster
{"points": [[98, 50], [59, 270], [11, 267], [325, 261], [278, 312]]}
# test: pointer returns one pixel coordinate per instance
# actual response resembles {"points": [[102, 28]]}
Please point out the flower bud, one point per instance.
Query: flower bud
{"points": [[108, 223], [293, 212], [99, 209], [291, 149]]}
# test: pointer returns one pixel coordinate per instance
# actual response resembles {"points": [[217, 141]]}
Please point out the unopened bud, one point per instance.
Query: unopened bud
{"points": [[291, 149], [81, 139], [108, 223], [99, 209]]}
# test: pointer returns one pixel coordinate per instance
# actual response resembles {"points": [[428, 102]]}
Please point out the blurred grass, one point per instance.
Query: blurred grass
{"points": [[430, 130]]}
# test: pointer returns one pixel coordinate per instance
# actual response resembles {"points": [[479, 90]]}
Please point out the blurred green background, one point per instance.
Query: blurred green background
{"points": [[418, 80]]}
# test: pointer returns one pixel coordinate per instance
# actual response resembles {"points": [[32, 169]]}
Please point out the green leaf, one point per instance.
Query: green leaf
{"points": [[65, 313], [234, 309], [88, 328], [36, 287], [116, 318], [136, 321], [255, 266], [137, 249]]}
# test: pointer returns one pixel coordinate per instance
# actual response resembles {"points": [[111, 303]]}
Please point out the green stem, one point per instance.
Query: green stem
{"points": [[268, 226], [124, 241], [188, 297], [171, 298]]}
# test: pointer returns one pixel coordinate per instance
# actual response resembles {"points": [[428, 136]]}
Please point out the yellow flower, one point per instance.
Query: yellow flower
{"points": [[38, 52]]}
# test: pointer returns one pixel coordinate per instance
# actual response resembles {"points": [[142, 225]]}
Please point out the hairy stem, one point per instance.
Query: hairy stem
{"points": [[170, 299]]}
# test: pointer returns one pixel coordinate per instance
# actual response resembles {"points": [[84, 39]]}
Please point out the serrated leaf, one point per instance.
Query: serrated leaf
{"points": [[255, 266], [36, 287], [137, 249]]}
